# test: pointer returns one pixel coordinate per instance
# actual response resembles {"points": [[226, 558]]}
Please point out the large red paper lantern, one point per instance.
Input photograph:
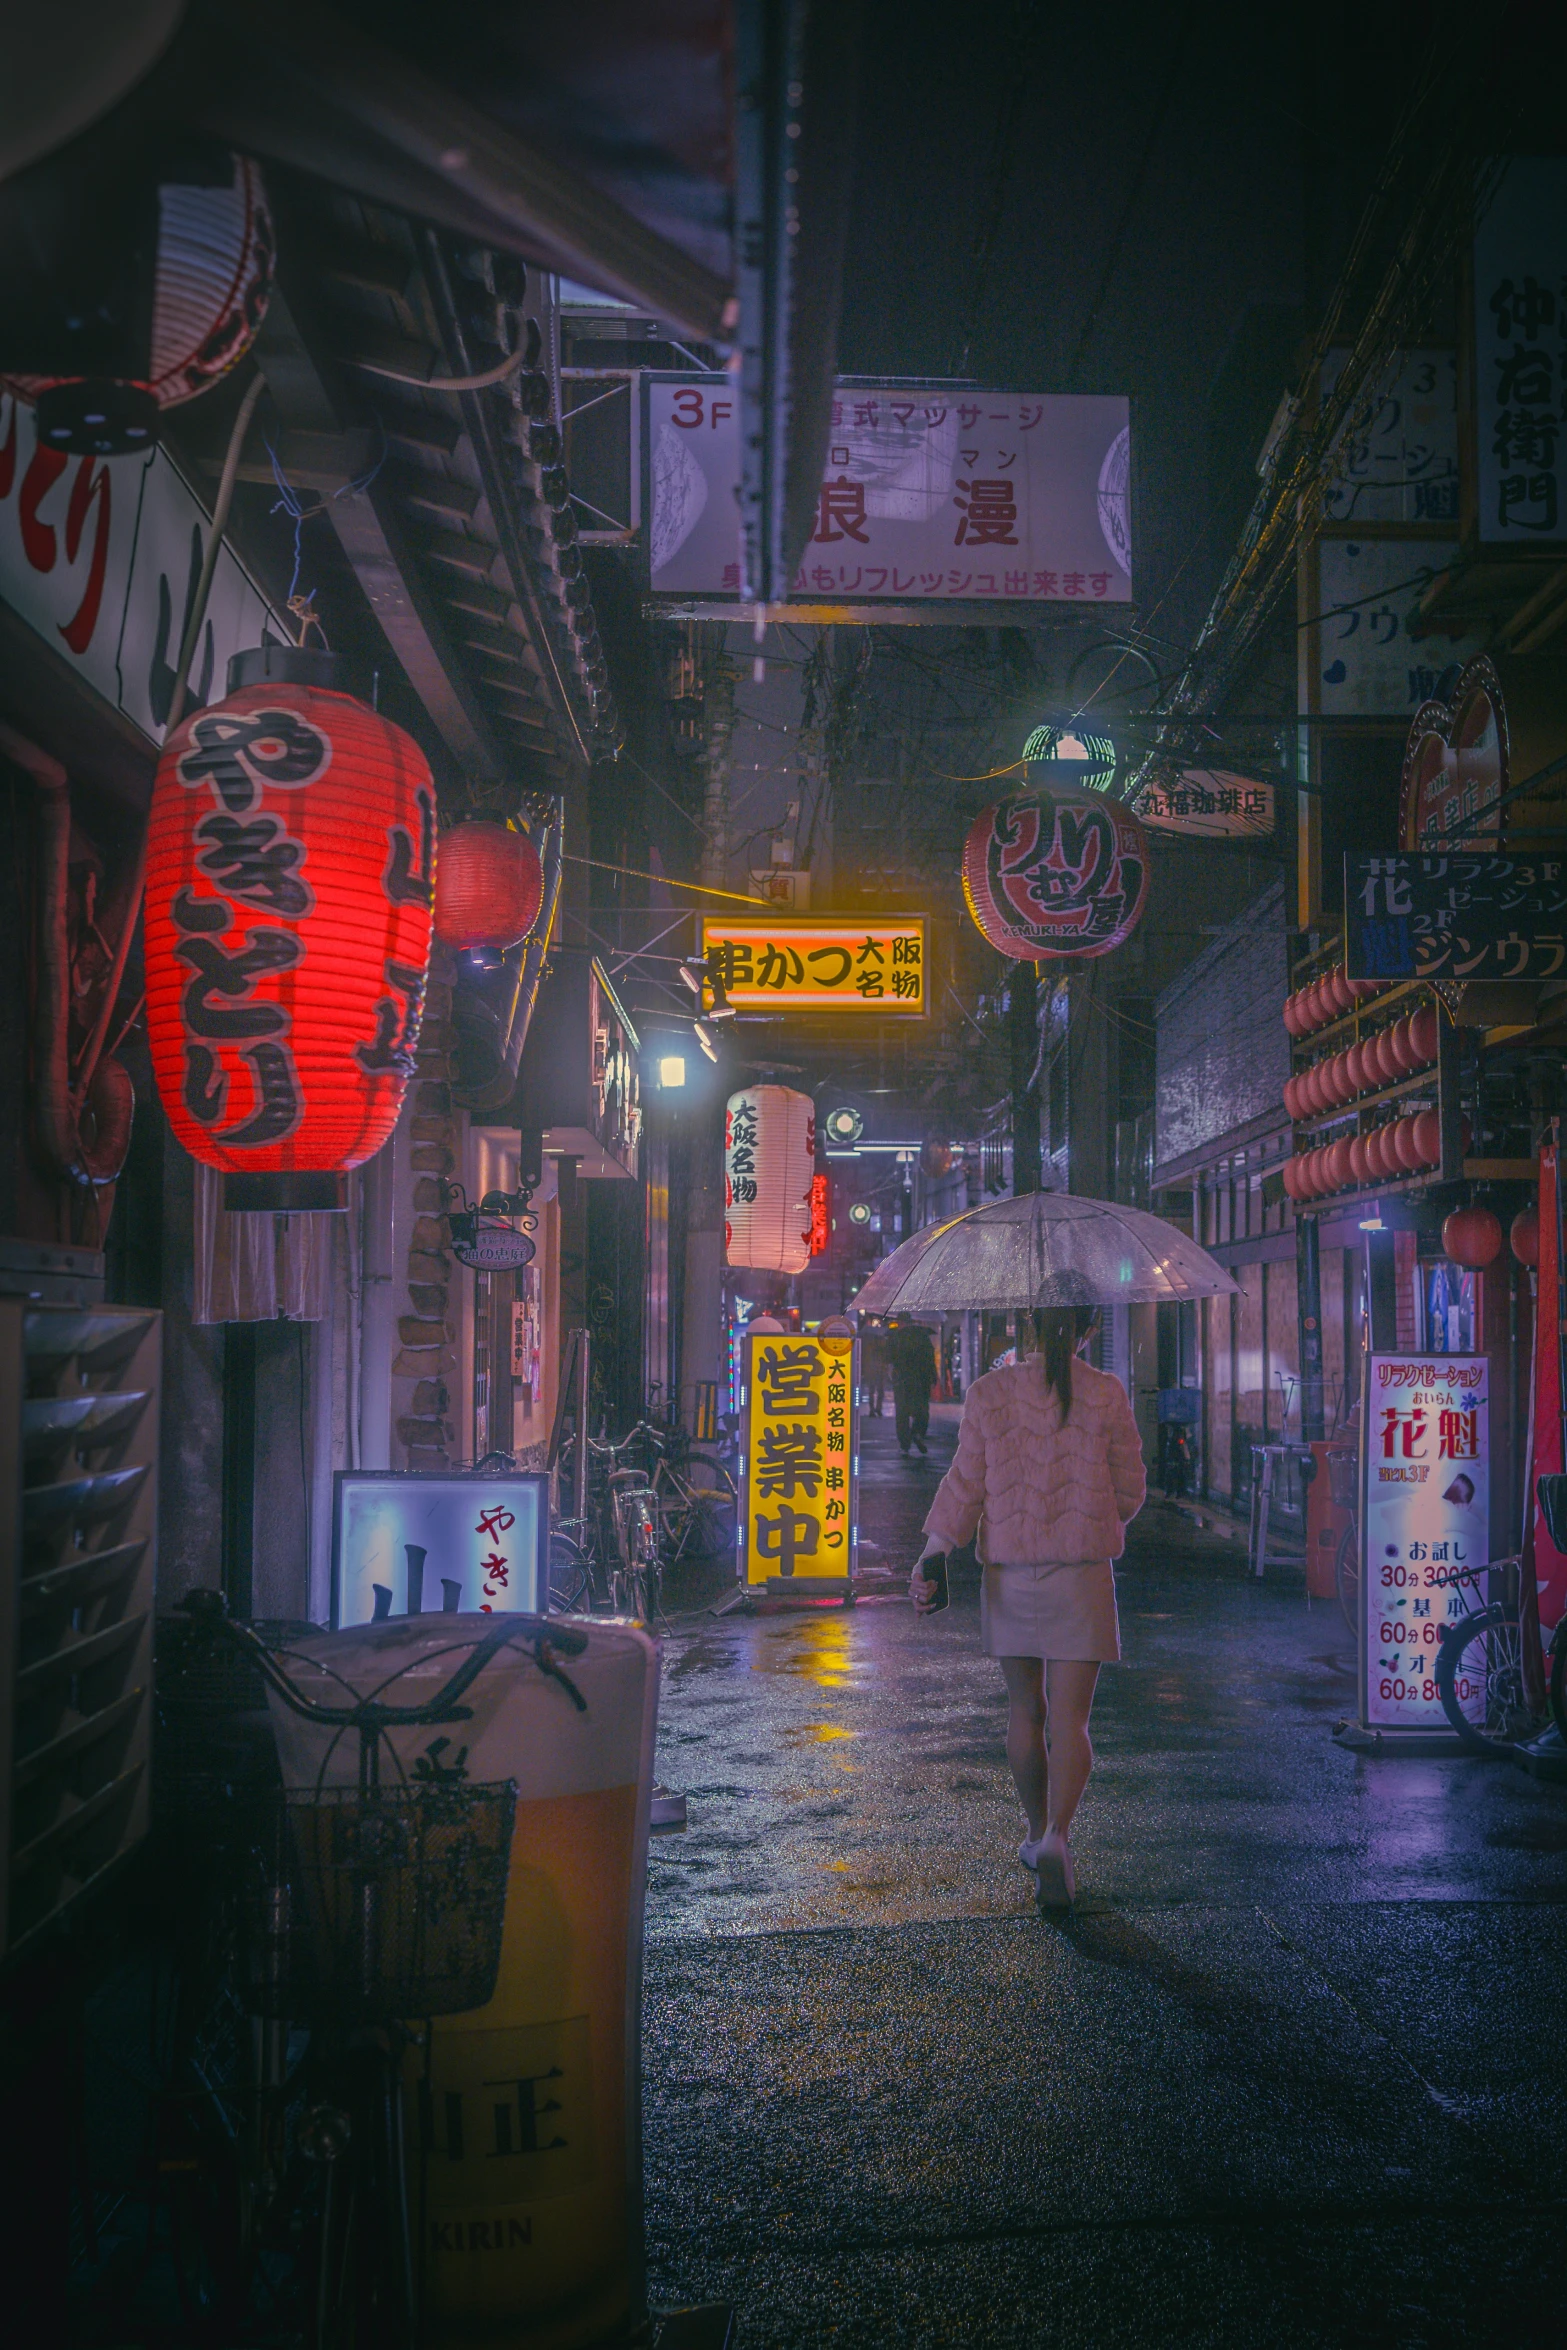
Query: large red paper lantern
{"points": [[205, 257], [1472, 1236], [1056, 873], [1525, 1236], [290, 856], [769, 1173], [489, 886]]}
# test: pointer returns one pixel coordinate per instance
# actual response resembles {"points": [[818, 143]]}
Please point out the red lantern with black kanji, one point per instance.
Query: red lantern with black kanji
{"points": [[290, 876], [1056, 873], [489, 886]]}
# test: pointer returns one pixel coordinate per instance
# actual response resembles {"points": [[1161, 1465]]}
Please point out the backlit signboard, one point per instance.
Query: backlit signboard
{"points": [[849, 964], [1205, 803], [1426, 1519], [800, 1437], [411, 1544], [930, 495]]}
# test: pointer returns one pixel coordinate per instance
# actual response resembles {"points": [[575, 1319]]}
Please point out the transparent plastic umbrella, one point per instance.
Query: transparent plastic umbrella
{"points": [[1047, 1248]]}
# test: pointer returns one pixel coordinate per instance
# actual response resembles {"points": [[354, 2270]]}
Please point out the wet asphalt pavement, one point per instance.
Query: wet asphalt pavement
{"points": [[1296, 2072]]}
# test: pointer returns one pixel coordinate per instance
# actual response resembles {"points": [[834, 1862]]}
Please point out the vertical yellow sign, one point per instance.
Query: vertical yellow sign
{"points": [[801, 1458]]}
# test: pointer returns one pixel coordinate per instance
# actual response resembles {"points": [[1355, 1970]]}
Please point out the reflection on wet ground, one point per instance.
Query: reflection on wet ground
{"points": [[1307, 2003]]}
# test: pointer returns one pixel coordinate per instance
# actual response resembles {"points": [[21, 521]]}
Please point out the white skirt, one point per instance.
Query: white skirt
{"points": [[1065, 1613]]}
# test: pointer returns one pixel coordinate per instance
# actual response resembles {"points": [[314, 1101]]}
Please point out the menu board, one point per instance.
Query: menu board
{"points": [[797, 1510], [1426, 1519]]}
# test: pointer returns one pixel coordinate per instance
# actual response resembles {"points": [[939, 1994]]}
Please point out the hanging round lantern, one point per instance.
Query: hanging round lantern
{"points": [[1070, 755], [1340, 1167], [1423, 1036], [290, 854], [135, 317], [1056, 873], [1406, 1144], [769, 1168], [489, 886], [1525, 1235], [1472, 1237]]}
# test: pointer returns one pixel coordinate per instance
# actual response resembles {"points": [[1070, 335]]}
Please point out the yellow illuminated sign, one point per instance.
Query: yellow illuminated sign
{"points": [[841, 963], [801, 1448]]}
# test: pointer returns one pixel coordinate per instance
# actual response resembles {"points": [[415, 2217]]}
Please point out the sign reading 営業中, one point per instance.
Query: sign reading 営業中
{"points": [[797, 1505], [1520, 327], [1454, 917], [849, 963], [1205, 803], [101, 557], [930, 495], [1426, 1528]]}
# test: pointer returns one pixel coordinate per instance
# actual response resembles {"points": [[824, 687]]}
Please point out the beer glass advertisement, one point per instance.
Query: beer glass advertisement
{"points": [[408, 1545], [1426, 1521]]}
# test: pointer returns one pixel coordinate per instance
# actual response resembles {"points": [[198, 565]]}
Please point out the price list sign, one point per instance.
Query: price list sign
{"points": [[1426, 1528], [797, 1510]]}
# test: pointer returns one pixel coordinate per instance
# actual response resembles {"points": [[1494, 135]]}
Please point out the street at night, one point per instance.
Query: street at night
{"points": [[783, 1246]]}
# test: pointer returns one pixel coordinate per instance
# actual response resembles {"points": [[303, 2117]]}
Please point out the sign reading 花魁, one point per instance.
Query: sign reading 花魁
{"points": [[1454, 916], [797, 1506], [930, 495], [848, 963], [1425, 1519]]}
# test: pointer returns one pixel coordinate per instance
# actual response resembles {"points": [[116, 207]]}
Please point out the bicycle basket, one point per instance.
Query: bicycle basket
{"points": [[1344, 1476], [403, 1894]]}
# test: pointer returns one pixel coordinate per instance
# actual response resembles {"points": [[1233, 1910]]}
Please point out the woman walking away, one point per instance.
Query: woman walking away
{"points": [[1049, 1471]]}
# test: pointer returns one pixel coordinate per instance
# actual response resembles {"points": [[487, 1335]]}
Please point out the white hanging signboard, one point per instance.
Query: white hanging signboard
{"points": [[1426, 1520], [1520, 329]]}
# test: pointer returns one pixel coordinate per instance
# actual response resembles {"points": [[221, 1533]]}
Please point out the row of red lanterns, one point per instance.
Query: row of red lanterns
{"points": [[1472, 1237], [1325, 999], [1404, 1146], [1383, 1059]]}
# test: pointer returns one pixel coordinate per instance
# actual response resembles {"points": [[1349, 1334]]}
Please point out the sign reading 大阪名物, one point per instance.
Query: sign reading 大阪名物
{"points": [[1454, 916], [851, 963], [1426, 1528]]}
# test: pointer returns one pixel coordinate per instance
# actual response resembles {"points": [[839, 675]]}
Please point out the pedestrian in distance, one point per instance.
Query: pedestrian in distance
{"points": [[1048, 1473], [911, 1357], [873, 1367]]}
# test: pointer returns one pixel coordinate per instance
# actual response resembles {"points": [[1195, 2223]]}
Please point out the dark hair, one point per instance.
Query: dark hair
{"points": [[1058, 1332]]}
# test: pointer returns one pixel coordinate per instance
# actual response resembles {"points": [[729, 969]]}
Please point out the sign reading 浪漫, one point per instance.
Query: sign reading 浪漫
{"points": [[1426, 1528], [1454, 917], [851, 963], [797, 1508], [940, 495]]}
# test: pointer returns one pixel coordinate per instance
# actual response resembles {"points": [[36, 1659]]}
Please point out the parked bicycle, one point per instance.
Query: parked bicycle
{"points": [[651, 1501], [372, 1907]]}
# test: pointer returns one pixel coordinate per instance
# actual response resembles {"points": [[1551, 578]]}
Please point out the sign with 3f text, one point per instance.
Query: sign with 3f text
{"points": [[1454, 917]]}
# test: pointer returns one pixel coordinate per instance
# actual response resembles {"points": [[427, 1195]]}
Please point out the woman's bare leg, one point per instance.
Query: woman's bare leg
{"points": [[1025, 1679], [1071, 1699]]}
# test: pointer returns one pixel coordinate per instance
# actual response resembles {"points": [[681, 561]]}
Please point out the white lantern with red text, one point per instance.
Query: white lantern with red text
{"points": [[769, 1168]]}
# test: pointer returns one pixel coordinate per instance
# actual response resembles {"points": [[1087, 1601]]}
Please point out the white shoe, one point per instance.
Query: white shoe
{"points": [[1028, 1852], [1052, 1865]]}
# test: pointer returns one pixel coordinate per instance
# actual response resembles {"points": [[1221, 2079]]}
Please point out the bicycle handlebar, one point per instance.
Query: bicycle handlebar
{"points": [[210, 1609]]}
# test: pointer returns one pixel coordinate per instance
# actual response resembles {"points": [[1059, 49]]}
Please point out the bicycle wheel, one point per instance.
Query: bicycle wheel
{"points": [[1479, 1678], [697, 1508], [571, 1577], [1346, 1576]]}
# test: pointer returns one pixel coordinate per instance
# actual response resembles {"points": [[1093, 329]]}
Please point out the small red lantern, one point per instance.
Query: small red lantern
{"points": [[1525, 1236], [1406, 1144], [489, 886], [1056, 873], [1472, 1237], [290, 850], [1339, 1166], [1423, 1037]]}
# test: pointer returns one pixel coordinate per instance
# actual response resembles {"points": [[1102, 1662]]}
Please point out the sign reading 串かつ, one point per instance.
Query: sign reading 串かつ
{"points": [[798, 1504], [773, 963], [1426, 1519]]}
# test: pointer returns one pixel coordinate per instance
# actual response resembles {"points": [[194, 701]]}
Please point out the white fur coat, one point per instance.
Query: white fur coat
{"points": [[1040, 1491]]}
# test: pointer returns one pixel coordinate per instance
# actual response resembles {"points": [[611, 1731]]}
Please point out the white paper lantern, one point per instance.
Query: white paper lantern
{"points": [[769, 1161]]}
